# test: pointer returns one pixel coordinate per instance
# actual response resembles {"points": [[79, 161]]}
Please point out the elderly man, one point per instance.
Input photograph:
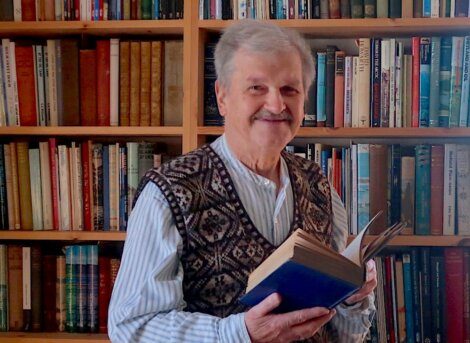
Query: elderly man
{"points": [[202, 222]]}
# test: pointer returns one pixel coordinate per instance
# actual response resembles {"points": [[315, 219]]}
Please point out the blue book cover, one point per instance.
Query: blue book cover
{"points": [[123, 201], [423, 189], [280, 10], [407, 283], [156, 9], [437, 293], [321, 87], [93, 284], [71, 281], [424, 80], [444, 81], [325, 155], [415, 279], [363, 211], [426, 8], [434, 82], [300, 287], [465, 84], [395, 184], [82, 288]]}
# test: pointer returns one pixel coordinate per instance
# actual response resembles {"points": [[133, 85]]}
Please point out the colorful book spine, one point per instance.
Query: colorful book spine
{"points": [[93, 284], [444, 83], [61, 302], [362, 185], [321, 88], [423, 188], [456, 81], [71, 287], [376, 86], [3, 191], [434, 82], [408, 287], [424, 81], [82, 287], [463, 122]]}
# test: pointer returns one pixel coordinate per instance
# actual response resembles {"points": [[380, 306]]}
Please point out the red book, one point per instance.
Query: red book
{"points": [[28, 10], [88, 87], [104, 294], [415, 82], [339, 89], [454, 281], [54, 182], [437, 189], [87, 185], [76, 14], [102, 82], [26, 85]]}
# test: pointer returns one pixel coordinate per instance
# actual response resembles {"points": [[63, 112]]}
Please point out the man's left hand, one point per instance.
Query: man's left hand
{"points": [[368, 287]]}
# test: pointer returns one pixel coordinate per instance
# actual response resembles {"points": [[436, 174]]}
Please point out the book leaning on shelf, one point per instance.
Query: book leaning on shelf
{"points": [[307, 273]]}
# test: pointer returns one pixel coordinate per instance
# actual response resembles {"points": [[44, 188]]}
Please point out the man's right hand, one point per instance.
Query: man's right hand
{"points": [[264, 326]]}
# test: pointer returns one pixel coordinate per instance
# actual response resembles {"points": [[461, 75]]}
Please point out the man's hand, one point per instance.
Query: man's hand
{"points": [[264, 326], [368, 287]]}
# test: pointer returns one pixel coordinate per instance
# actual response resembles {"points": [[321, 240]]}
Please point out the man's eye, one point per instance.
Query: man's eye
{"points": [[256, 88], [289, 90]]}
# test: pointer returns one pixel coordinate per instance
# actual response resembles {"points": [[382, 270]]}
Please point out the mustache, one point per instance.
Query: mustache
{"points": [[268, 115]]}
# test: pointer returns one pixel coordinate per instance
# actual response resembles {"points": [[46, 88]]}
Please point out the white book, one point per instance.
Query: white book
{"points": [[17, 10], [317, 153], [46, 190], [83, 10], [59, 10], [77, 185], [64, 188], [452, 8], [39, 50], [348, 85], [6, 52], [218, 9], [353, 219], [385, 83], [201, 10], [355, 95], [16, 104], [26, 258], [450, 166], [392, 104], [463, 122], [435, 8], [114, 82], [132, 172], [52, 82], [3, 104], [363, 83], [399, 85], [36, 194], [463, 189]]}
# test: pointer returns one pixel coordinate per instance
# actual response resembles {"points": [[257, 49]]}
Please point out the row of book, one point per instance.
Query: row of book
{"points": [[67, 291], [426, 186], [90, 10], [87, 186], [331, 9], [423, 295], [137, 83], [384, 85]]}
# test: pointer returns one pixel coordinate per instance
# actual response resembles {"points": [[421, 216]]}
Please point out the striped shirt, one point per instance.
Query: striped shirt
{"points": [[147, 303]]}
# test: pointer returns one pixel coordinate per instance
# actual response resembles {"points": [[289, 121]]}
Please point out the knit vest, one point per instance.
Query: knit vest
{"points": [[221, 245]]}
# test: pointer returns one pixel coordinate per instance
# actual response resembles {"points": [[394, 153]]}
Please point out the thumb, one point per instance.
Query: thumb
{"points": [[267, 305]]}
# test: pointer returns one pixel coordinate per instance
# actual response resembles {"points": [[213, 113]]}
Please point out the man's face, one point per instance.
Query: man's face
{"points": [[264, 103]]}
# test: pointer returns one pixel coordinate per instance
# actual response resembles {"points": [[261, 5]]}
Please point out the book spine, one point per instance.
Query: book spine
{"points": [[26, 270], [3, 288], [124, 70], [415, 45], [321, 89], [408, 194], [24, 186], [444, 81], [15, 294], [145, 83], [437, 188], [82, 288], [103, 82], [392, 76], [93, 290], [408, 288], [375, 89], [454, 284], [4, 220], [348, 80], [61, 303], [385, 84], [415, 267], [434, 82], [424, 81], [463, 189], [114, 82], [363, 185], [156, 84], [463, 122], [423, 180], [364, 82], [450, 166], [36, 193], [339, 89], [71, 287], [437, 289]]}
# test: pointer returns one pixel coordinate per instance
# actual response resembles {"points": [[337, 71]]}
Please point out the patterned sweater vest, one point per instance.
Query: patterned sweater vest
{"points": [[221, 245]]}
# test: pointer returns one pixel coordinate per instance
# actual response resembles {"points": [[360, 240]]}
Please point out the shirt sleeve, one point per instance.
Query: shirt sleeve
{"points": [[147, 301], [352, 322]]}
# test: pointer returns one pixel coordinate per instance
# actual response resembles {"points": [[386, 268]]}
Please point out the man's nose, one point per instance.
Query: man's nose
{"points": [[274, 102]]}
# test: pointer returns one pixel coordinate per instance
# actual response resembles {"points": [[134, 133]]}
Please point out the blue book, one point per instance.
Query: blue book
{"points": [[321, 87], [363, 170], [82, 287], [306, 273], [325, 155], [465, 84], [444, 81], [123, 202], [424, 80], [156, 9], [407, 283], [93, 284], [280, 10], [423, 190], [415, 283]]}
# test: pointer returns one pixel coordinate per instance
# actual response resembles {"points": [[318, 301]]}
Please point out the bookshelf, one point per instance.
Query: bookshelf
{"points": [[192, 134]]}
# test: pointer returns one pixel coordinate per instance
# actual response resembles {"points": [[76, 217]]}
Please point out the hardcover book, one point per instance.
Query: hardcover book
{"points": [[307, 274]]}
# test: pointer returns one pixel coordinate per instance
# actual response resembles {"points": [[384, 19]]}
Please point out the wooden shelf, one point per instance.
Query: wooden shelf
{"points": [[375, 132], [435, 241], [97, 28], [72, 236], [92, 131], [336, 28], [51, 337]]}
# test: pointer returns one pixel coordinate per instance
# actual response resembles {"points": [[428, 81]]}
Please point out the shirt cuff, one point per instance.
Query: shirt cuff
{"points": [[233, 329]]}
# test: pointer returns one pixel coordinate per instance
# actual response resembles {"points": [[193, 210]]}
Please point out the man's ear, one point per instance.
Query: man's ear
{"points": [[220, 93]]}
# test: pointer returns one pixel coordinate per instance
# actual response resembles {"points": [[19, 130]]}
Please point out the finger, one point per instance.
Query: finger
{"points": [[309, 328], [266, 306], [297, 317]]}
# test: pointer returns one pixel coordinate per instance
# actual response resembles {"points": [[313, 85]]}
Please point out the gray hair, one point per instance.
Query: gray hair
{"points": [[260, 37]]}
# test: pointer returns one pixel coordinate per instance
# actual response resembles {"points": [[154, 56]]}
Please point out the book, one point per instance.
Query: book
{"points": [[332, 275]]}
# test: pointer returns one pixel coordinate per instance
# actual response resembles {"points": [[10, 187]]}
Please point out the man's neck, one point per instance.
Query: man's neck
{"points": [[261, 162]]}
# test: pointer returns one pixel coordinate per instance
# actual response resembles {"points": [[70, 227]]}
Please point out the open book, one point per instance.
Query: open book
{"points": [[307, 273]]}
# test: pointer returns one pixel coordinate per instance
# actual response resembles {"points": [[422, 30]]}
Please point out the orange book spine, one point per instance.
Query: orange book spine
{"points": [[88, 87], [156, 84], [102, 78], [145, 77], [15, 289], [134, 108], [26, 81]]}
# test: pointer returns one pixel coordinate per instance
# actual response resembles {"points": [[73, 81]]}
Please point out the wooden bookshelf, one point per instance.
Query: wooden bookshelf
{"points": [[52, 337], [195, 33], [68, 236]]}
